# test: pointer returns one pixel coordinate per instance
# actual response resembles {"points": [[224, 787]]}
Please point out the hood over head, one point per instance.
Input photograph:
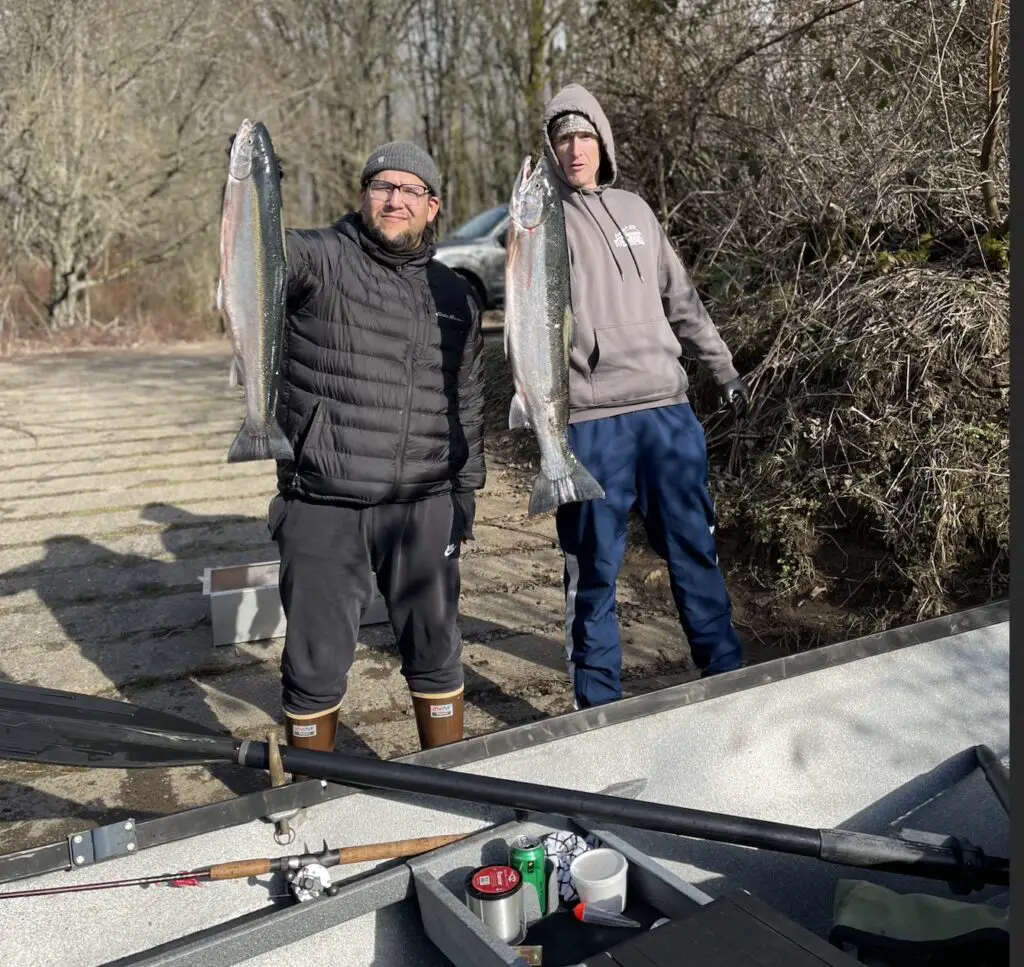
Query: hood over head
{"points": [[576, 99]]}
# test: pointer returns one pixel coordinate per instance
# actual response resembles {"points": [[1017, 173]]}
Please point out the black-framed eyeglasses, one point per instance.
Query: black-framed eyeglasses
{"points": [[381, 190]]}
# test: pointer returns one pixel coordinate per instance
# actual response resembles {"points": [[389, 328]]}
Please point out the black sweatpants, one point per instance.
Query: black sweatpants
{"points": [[327, 553]]}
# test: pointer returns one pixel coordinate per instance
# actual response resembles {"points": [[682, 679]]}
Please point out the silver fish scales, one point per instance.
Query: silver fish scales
{"points": [[539, 328], [251, 290]]}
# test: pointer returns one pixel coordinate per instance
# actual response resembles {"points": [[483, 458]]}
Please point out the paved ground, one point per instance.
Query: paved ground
{"points": [[115, 495]]}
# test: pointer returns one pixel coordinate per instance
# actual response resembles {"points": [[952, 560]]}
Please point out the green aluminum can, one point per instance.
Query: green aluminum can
{"points": [[526, 854]]}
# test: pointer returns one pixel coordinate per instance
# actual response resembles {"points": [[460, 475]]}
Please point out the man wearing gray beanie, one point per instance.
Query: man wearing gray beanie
{"points": [[397, 231], [381, 396]]}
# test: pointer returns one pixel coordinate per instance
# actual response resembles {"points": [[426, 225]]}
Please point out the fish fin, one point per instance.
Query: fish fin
{"points": [[260, 442], [580, 485], [517, 416], [236, 375], [569, 330]]}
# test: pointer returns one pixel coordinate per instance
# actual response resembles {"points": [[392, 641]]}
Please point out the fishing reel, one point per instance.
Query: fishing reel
{"points": [[306, 874], [310, 882]]}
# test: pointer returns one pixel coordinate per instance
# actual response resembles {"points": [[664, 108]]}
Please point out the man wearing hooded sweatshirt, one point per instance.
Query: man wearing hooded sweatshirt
{"points": [[381, 396], [630, 422]]}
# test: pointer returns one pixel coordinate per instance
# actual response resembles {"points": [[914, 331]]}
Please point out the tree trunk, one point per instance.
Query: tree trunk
{"points": [[995, 103], [65, 295], [536, 80]]}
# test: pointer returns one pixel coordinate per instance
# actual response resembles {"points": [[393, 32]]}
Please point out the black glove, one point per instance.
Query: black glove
{"points": [[736, 394], [464, 506]]}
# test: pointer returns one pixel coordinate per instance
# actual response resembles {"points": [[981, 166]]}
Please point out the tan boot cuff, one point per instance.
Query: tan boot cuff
{"points": [[438, 695]]}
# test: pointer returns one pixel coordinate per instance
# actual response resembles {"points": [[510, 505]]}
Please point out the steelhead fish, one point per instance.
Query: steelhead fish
{"points": [[250, 291], [539, 329]]}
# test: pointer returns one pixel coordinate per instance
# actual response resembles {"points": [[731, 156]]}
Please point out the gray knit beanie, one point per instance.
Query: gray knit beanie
{"points": [[570, 123], [403, 156]]}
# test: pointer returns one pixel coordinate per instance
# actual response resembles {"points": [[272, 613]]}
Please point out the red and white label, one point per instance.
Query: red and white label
{"points": [[496, 879], [442, 711], [304, 731]]}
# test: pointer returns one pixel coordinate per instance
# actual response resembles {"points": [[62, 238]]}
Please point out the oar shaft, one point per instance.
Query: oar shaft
{"points": [[840, 847], [508, 793], [40, 725]]}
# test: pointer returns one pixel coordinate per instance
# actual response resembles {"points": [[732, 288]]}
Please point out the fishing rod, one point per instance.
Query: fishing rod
{"points": [[64, 728], [302, 868]]}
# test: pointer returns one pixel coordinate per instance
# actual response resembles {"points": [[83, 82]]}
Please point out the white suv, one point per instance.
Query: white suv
{"points": [[476, 250]]}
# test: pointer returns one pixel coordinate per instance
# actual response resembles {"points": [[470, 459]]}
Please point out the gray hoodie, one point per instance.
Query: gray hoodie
{"points": [[634, 304]]}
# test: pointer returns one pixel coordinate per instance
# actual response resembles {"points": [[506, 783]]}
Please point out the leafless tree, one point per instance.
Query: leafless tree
{"points": [[327, 74], [106, 111]]}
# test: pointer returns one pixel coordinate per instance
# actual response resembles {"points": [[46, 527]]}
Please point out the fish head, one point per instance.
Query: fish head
{"points": [[263, 155], [242, 150], [532, 194]]}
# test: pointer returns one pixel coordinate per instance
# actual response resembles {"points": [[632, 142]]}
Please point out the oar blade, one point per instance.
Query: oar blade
{"points": [[63, 728]]}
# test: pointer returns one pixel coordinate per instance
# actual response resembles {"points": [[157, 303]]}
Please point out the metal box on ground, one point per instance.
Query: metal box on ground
{"points": [[245, 603]]}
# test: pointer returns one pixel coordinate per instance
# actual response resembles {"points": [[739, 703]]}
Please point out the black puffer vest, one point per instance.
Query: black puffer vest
{"points": [[376, 392]]}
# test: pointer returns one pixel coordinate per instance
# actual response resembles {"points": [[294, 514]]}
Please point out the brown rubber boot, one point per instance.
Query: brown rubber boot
{"points": [[317, 730], [438, 718]]}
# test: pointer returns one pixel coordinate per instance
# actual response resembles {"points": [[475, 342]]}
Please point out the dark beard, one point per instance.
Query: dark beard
{"points": [[400, 244]]}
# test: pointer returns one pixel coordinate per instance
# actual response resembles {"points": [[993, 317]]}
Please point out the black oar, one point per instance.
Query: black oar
{"points": [[38, 725]]}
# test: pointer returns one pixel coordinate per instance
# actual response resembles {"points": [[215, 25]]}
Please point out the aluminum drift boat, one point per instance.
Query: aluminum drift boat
{"points": [[874, 735]]}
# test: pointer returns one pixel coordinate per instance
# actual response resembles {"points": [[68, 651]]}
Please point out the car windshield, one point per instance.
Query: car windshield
{"points": [[480, 224]]}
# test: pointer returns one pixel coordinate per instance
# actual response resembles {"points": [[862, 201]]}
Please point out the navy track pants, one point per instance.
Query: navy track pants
{"points": [[656, 459]]}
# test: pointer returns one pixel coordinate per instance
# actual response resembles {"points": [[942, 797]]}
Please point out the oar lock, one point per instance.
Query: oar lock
{"points": [[102, 843], [284, 835]]}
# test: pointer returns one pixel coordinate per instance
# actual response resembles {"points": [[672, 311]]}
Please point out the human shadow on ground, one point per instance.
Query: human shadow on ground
{"points": [[482, 690], [183, 530], [144, 626], [19, 798]]}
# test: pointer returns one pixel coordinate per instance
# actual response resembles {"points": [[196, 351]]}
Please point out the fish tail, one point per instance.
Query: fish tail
{"points": [[550, 494], [257, 441]]}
